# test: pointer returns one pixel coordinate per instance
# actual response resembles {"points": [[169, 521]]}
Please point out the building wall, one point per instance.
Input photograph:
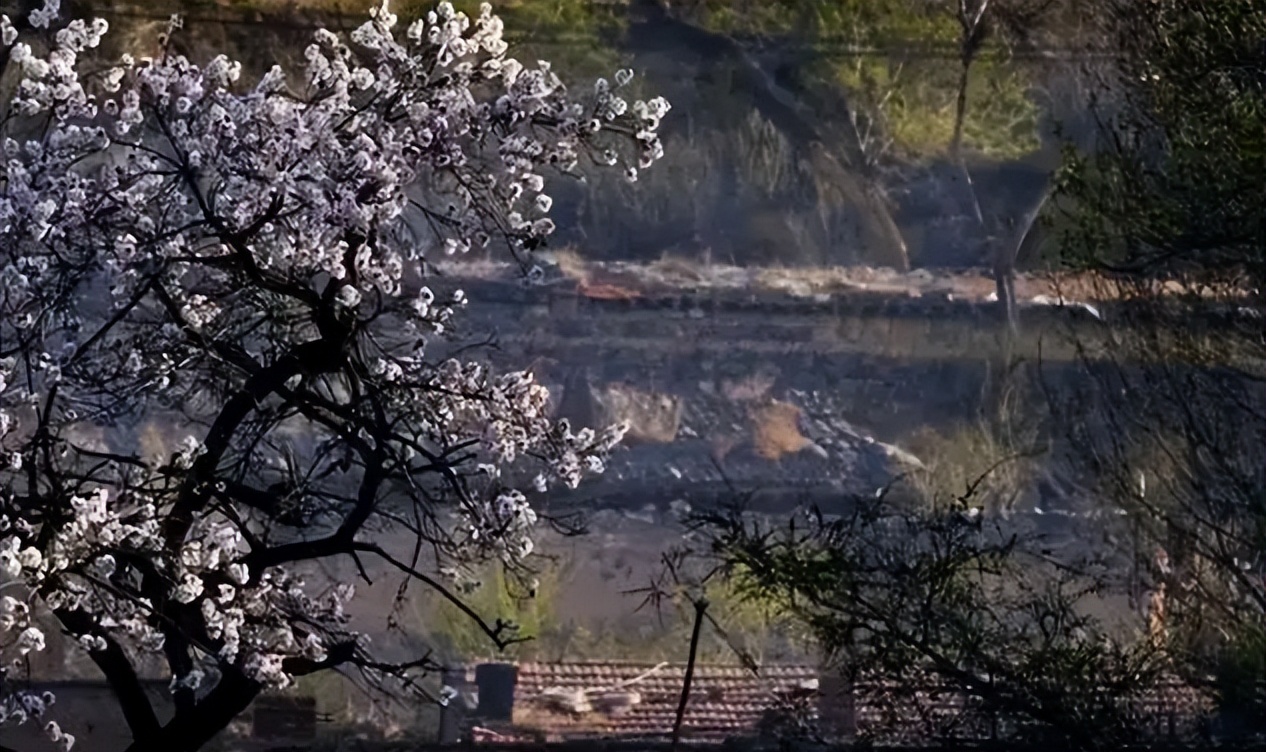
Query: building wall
{"points": [[88, 710]]}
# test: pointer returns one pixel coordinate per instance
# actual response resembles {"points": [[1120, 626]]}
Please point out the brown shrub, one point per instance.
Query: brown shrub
{"points": [[652, 417], [776, 430]]}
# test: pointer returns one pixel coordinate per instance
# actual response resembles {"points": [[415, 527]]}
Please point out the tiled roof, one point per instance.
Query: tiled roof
{"points": [[632, 701], [629, 700]]}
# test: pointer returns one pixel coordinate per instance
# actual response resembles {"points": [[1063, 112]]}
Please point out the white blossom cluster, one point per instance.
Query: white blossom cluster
{"points": [[23, 706], [501, 524], [502, 527], [107, 545], [172, 236]]}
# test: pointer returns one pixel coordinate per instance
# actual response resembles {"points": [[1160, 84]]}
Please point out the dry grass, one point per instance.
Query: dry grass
{"points": [[955, 460], [991, 460], [571, 264], [776, 430], [814, 281], [684, 272], [606, 291], [625, 280], [651, 417], [773, 426]]}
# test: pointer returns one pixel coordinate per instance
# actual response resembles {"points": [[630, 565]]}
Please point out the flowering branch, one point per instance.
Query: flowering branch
{"points": [[180, 248]]}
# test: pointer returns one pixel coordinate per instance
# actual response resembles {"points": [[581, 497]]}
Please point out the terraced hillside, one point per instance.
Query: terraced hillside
{"points": [[804, 382]]}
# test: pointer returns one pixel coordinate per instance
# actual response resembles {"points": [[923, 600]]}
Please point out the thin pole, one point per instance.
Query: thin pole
{"points": [[701, 605]]}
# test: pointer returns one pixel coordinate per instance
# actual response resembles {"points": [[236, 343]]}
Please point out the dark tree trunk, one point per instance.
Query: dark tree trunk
{"points": [[119, 673], [192, 729]]}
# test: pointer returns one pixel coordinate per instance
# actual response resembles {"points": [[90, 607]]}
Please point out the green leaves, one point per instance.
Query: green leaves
{"points": [[896, 60], [905, 600], [1179, 183]]}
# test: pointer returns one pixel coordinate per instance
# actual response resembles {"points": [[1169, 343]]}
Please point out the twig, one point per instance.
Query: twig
{"points": [[495, 631]]}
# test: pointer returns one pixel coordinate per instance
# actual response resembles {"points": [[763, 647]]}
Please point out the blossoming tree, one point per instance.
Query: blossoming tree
{"points": [[175, 242]]}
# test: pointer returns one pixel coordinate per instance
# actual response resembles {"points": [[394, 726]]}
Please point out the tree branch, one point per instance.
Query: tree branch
{"points": [[315, 356], [119, 673], [496, 633]]}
